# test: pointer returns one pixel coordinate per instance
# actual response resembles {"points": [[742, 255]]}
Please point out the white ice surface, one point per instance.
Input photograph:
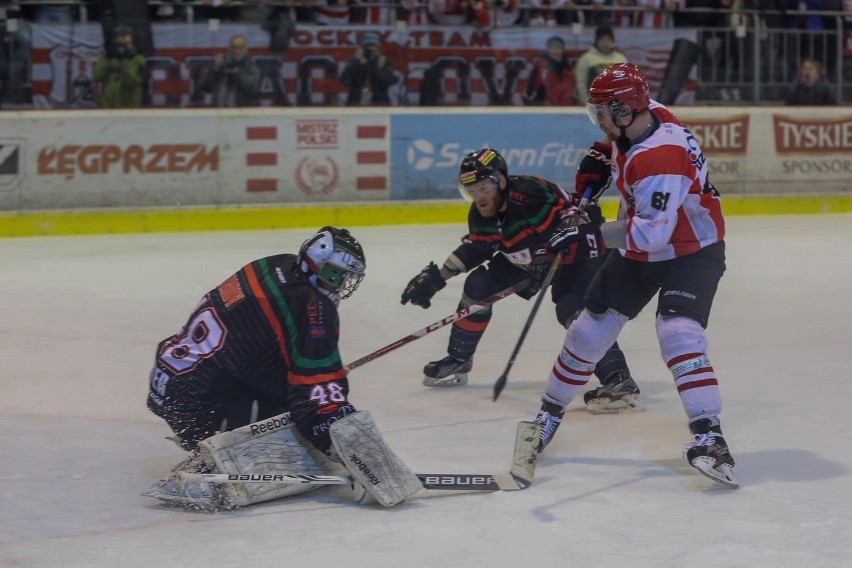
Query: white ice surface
{"points": [[80, 318]]}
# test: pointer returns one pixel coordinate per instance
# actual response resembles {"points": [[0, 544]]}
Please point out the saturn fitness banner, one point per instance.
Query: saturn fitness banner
{"points": [[477, 67]]}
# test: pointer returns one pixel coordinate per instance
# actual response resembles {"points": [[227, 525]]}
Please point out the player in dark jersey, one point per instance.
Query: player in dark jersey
{"points": [[510, 221], [262, 343]]}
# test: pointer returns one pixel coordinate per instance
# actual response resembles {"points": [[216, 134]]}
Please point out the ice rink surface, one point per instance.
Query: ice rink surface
{"points": [[80, 318]]}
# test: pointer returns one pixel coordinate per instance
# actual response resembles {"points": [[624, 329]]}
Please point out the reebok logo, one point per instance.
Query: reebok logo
{"points": [[365, 469], [270, 425]]}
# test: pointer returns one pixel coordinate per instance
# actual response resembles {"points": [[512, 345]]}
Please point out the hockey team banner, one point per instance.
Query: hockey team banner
{"points": [[470, 66]]}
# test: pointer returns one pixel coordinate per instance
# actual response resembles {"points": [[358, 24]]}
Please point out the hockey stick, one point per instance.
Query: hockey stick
{"points": [[501, 381], [439, 481], [460, 314], [520, 477]]}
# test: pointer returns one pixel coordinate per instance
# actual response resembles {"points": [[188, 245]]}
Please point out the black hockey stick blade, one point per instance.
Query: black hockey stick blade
{"points": [[468, 482]]}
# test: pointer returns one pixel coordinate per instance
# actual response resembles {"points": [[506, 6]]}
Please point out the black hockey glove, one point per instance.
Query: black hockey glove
{"points": [[595, 170], [574, 229], [538, 269], [423, 286]]}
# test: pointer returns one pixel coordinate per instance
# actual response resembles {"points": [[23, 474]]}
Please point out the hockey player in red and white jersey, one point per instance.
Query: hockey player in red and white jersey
{"points": [[669, 235]]}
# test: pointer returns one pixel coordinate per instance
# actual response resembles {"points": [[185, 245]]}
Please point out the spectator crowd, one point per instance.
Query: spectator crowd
{"points": [[556, 76]]}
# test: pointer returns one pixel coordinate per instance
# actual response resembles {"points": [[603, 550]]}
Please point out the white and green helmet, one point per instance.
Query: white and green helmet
{"points": [[334, 262]]}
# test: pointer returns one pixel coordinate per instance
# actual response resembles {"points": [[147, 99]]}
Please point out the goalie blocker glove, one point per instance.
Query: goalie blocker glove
{"points": [[422, 287], [595, 170]]}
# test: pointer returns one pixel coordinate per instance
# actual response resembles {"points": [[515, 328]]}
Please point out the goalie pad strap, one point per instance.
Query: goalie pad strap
{"points": [[370, 460]]}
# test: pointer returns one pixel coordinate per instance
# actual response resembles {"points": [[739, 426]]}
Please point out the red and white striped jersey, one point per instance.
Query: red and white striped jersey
{"points": [[671, 208]]}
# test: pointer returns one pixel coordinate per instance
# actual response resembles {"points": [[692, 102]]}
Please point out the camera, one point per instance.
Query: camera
{"points": [[120, 51]]}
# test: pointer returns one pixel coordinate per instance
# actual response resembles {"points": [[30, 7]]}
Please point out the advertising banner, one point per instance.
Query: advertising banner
{"points": [[54, 159], [172, 158], [427, 149]]}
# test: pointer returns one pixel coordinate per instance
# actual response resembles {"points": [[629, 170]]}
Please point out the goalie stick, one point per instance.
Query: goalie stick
{"points": [[520, 477], [501, 381], [436, 481], [460, 314]]}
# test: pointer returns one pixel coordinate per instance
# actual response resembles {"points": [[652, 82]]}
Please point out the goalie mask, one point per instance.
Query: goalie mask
{"points": [[334, 262], [477, 166]]}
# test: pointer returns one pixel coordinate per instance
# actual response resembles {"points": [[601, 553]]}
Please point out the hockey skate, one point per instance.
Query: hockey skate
{"points": [[708, 452], [448, 372], [549, 418], [620, 392]]}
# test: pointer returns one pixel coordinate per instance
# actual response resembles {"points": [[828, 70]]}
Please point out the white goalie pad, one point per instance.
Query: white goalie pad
{"points": [[266, 447], [371, 462]]}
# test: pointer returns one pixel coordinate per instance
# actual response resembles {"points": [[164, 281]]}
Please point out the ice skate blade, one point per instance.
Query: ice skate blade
{"points": [[456, 380], [724, 474], [605, 405]]}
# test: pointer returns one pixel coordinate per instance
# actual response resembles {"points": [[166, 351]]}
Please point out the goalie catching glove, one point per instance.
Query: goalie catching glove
{"points": [[422, 287], [595, 170]]}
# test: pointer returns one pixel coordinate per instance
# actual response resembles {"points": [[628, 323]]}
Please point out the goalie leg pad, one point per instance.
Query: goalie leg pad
{"points": [[272, 446], [371, 462]]}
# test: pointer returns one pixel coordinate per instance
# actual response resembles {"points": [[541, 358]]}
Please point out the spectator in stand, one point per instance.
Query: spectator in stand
{"points": [[544, 11], [655, 15], [450, 12], [224, 10], [167, 11], [368, 74], [811, 87], [53, 14], [600, 13], [332, 12], [485, 12], [302, 12], [234, 79], [551, 80], [15, 49], [601, 55], [413, 12], [720, 60], [372, 12], [121, 72]]}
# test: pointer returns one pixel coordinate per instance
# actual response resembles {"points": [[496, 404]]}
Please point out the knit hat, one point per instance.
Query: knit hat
{"points": [[556, 39], [370, 38], [602, 31]]}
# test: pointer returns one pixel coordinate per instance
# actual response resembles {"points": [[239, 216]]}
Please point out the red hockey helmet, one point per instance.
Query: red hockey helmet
{"points": [[621, 90]]}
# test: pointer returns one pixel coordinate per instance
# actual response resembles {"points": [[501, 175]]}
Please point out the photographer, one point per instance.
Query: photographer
{"points": [[234, 79], [120, 71], [368, 74]]}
